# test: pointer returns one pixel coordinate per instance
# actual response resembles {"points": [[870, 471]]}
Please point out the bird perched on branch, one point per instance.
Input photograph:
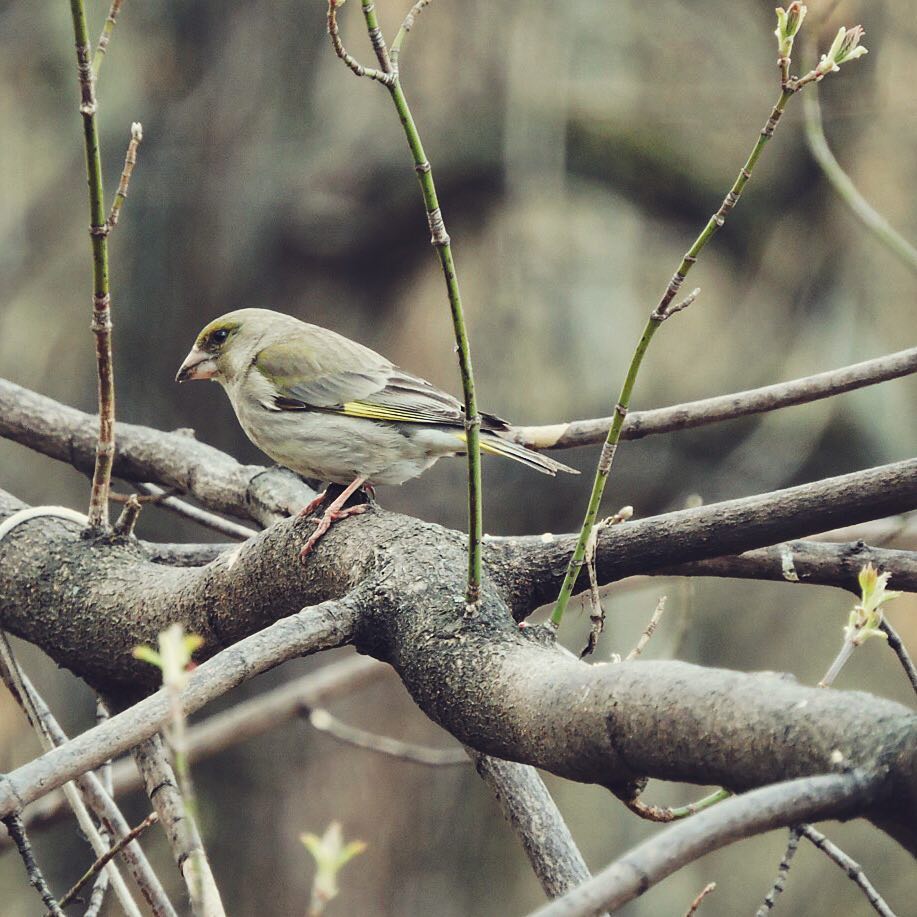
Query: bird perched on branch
{"points": [[330, 408]]}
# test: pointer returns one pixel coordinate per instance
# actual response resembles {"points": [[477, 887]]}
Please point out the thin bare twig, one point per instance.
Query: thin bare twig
{"points": [[124, 524], [783, 870], [406, 26], [900, 650], [648, 631], [323, 721], [105, 37], [597, 612], [102, 881], [33, 871], [696, 903], [853, 869], [130, 160], [694, 414], [196, 514], [99, 864], [669, 813], [50, 735], [353, 64]]}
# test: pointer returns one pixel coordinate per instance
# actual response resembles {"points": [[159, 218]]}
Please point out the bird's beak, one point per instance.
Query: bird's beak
{"points": [[197, 365]]}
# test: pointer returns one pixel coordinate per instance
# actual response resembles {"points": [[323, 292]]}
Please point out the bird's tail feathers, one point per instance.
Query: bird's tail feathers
{"points": [[497, 445]]}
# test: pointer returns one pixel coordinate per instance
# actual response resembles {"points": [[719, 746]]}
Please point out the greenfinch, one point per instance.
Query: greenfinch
{"points": [[331, 409]]}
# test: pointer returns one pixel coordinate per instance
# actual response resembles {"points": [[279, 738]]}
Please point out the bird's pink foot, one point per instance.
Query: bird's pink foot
{"points": [[330, 516], [314, 504]]}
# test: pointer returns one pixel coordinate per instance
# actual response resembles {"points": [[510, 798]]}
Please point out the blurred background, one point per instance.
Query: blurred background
{"points": [[578, 149]]}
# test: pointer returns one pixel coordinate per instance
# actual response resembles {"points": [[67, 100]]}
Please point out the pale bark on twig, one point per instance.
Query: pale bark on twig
{"points": [[528, 807], [180, 829], [852, 869], [682, 843], [694, 414], [239, 723]]}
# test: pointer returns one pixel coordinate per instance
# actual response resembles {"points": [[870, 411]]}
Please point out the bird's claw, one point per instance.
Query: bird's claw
{"points": [[322, 525], [314, 504]]}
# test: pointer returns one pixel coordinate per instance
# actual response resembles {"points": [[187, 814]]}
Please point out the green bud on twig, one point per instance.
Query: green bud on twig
{"points": [[789, 22], [331, 854], [174, 656], [866, 618]]}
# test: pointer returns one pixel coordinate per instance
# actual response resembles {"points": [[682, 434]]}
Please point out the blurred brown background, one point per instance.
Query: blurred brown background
{"points": [[578, 148]]}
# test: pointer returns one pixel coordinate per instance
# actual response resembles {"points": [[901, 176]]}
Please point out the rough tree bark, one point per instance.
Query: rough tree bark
{"points": [[501, 690]]}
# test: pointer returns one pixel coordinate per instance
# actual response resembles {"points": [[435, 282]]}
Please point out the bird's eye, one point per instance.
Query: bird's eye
{"points": [[219, 337]]}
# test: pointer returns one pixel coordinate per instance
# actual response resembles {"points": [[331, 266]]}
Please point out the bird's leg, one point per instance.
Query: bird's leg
{"points": [[335, 512]]}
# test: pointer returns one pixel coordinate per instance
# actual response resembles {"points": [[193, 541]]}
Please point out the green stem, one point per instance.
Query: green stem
{"points": [[847, 191], [440, 241], [101, 301], [602, 471], [375, 36], [105, 37], [694, 807], [406, 27], [658, 316], [388, 76]]}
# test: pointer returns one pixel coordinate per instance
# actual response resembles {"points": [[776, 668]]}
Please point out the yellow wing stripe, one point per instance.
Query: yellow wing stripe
{"points": [[382, 412]]}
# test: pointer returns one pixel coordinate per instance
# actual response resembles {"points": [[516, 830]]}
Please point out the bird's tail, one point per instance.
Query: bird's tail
{"points": [[497, 445]]}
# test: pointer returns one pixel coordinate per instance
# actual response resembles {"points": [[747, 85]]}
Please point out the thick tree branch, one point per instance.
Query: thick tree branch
{"points": [[175, 460], [648, 863], [814, 562], [496, 688], [530, 569], [724, 407]]}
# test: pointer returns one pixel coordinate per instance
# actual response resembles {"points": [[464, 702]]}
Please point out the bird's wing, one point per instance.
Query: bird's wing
{"points": [[360, 383]]}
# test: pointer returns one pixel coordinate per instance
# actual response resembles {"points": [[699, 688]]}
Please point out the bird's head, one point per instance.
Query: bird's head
{"points": [[226, 346]]}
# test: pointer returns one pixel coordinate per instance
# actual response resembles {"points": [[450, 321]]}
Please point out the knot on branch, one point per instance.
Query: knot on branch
{"points": [[101, 316], [473, 423], [607, 457], [438, 234]]}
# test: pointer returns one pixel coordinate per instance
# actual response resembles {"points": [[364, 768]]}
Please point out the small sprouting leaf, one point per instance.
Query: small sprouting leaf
{"points": [[331, 854], [174, 655], [147, 654], [845, 47]]}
